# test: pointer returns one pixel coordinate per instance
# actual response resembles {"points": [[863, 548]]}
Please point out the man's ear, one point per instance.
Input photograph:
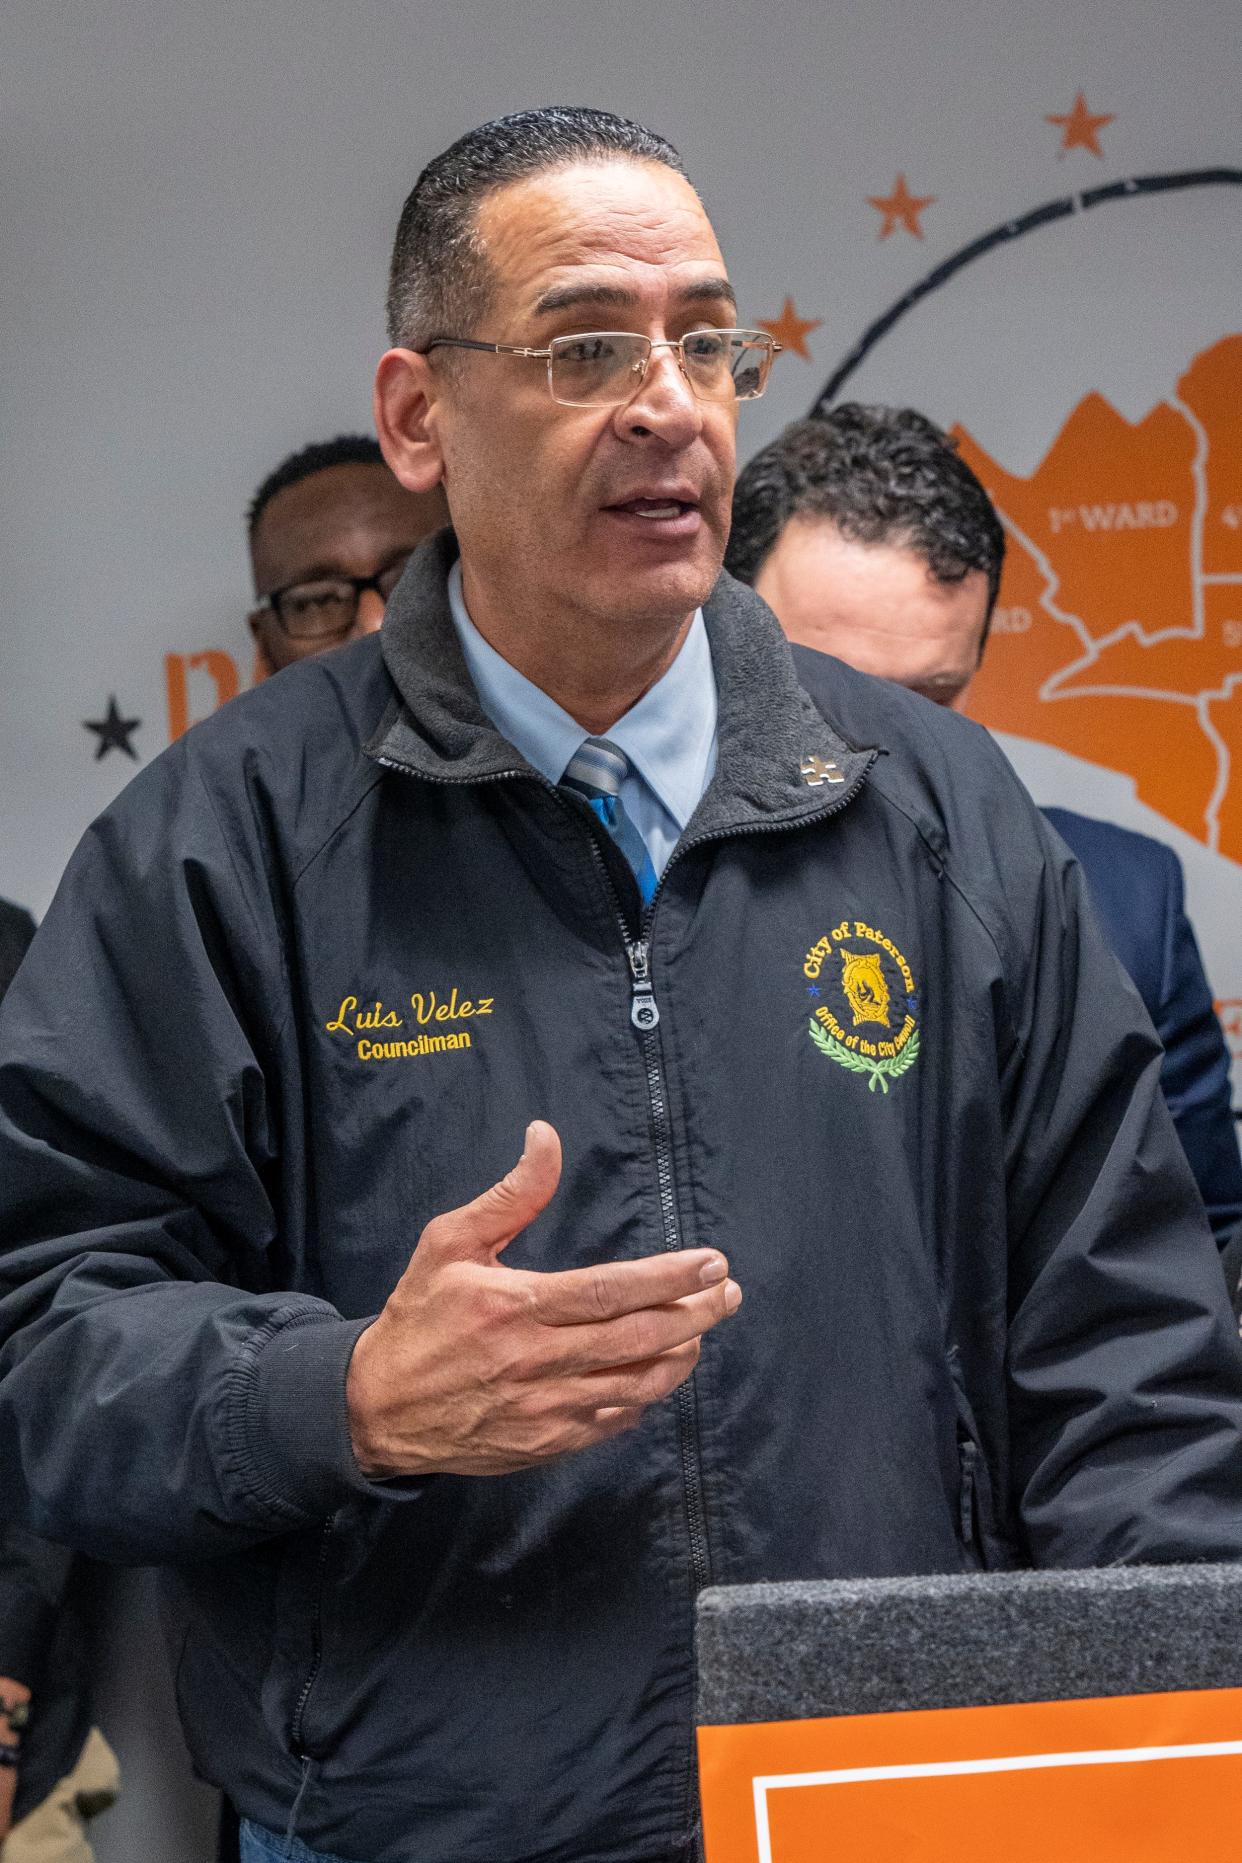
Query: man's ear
{"points": [[405, 403]]}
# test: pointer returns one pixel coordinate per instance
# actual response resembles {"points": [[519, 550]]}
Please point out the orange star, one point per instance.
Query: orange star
{"points": [[901, 208], [1082, 130], [790, 330]]}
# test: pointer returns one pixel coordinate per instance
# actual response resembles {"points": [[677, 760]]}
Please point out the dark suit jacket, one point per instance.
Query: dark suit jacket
{"points": [[1137, 888]]}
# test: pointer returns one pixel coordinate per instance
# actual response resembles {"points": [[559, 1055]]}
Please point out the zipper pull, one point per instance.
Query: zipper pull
{"points": [[644, 1011]]}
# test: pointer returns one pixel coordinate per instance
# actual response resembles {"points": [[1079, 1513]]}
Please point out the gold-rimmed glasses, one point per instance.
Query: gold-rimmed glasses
{"points": [[603, 368]]}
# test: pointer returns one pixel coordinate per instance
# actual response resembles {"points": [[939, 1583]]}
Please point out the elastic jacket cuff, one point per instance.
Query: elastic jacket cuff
{"points": [[297, 1425]]}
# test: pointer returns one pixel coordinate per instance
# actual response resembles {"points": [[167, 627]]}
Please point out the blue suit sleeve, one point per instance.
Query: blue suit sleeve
{"points": [[1195, 1074]]}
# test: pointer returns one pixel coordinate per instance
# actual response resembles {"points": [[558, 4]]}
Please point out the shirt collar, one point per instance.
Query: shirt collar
{"points": [[669, 735]]}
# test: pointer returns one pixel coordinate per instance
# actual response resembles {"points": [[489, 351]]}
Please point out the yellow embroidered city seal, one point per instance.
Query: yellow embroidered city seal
{"points": [[862, 979], [865, 1013]]}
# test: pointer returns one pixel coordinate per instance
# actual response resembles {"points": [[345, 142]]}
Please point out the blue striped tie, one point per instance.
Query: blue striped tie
{"points": [[597, 770]]}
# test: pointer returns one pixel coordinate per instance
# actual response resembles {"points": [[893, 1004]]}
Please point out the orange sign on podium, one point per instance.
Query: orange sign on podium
{"points": [[1130, 1779]]}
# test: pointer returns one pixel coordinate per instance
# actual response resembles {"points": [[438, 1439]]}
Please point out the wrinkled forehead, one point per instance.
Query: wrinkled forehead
{"points": [[599, 229]]}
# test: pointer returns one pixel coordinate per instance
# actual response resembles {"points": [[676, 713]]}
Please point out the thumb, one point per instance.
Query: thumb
{"points": [[479, 1230]]}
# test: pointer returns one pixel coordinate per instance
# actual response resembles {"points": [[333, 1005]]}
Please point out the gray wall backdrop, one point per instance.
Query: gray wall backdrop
{"points": [[197, 207]]}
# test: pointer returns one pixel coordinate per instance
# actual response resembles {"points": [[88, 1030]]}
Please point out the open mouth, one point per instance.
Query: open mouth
{"points": [[656, 508], [664, 517]]}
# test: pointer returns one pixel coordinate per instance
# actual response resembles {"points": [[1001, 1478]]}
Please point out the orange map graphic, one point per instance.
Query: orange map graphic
{"points": [[1118, 631]]}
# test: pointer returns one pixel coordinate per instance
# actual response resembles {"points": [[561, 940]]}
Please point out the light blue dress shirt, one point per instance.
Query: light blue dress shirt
{"points": [[669, 736]]}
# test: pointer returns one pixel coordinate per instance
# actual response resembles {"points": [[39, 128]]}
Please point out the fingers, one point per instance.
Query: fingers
{"points": [[599, 1425], [579, 1296], [637, 1337], [479, 1230], [635, 1386], [615, 1421]]}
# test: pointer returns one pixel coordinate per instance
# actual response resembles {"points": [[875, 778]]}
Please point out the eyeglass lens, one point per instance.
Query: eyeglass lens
{"points": [[329, 605], [605, 366]]}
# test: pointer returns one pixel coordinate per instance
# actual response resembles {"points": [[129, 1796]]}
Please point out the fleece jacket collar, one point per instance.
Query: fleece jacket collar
{"points": [[779, 760]]}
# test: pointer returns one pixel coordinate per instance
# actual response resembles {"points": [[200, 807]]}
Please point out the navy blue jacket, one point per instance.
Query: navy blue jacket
{"points": [[1136, 886], [303, 987]]}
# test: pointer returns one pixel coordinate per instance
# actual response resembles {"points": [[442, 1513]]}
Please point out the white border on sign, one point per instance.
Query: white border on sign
{"points": [[943, 1769]]}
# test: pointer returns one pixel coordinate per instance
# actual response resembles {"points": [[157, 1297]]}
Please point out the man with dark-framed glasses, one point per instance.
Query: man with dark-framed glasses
{"points": [[578, 848], [330, 531]]}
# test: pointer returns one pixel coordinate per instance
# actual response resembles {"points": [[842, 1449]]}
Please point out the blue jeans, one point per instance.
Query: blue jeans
{"points": [[260, 1846]]}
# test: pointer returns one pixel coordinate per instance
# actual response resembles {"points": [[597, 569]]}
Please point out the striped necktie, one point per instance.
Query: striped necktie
{"points": [[597, 770]]}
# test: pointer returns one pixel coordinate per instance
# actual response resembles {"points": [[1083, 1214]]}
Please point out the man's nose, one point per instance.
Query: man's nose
{"points": [[665, 404], [370, 613]]}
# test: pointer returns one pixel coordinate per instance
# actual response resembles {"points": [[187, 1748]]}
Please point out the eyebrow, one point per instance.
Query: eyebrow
{"points": [[616, 297]]}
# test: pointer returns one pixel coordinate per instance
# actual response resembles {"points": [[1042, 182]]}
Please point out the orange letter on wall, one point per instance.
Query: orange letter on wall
{"points": [[221, 668]]}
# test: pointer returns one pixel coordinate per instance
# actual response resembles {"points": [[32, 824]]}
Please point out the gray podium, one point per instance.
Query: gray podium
{"points": [[876, 1646]]}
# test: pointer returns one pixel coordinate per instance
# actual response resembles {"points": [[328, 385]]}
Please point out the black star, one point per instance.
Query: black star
{"points": [[113, 731]]}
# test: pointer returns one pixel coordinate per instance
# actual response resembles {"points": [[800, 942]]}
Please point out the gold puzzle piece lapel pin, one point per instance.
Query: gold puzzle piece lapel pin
{"points": [[816, 771]]}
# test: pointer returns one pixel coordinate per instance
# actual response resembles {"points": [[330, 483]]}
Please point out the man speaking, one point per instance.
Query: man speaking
{"points": [[788, 987]]}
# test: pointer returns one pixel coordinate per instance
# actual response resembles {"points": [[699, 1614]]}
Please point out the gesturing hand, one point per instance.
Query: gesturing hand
{"points": [[473, 1368]]}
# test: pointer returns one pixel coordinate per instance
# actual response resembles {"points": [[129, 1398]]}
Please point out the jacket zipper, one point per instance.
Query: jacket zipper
{"points": [[299, 1712], [645, 1017]]}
